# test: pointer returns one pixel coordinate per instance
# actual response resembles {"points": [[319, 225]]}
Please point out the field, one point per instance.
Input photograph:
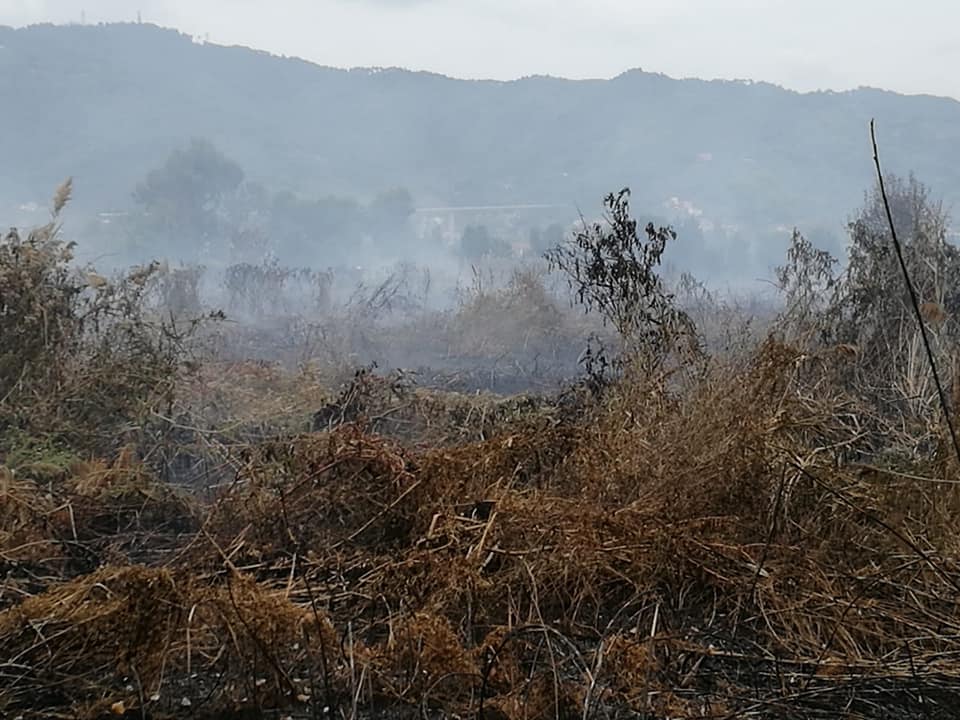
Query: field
{"points": [[710, 514]]}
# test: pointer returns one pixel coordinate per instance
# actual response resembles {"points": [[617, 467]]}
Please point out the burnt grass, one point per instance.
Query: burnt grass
{"points": [[711, 520], [675, 547]]}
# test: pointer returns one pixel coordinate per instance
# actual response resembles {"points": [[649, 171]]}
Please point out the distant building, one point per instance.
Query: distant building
{"points": [[106, 218]]}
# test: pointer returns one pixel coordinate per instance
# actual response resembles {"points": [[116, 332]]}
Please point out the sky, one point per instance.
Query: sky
{"points": [[804, 45]]}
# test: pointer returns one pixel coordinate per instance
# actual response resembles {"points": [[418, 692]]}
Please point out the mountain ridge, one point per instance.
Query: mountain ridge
{"points": [[446, 76], [107, 103]]}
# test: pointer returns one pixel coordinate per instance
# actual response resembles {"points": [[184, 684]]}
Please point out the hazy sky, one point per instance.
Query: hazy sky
{"points": [[804, 44]]}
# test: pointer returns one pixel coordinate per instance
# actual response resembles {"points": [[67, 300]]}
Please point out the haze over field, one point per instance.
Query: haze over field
{"points": [[426, 359], [361, 167]]}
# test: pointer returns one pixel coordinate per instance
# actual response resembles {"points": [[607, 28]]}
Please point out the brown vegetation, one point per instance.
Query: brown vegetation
{"points": [[753, 532]]}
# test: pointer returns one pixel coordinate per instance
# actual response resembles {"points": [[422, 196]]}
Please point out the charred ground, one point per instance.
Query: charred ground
{"points": [[718, 517]]}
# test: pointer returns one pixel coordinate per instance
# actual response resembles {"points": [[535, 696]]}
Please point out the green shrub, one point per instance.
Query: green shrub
{"points": [[80, 357]]}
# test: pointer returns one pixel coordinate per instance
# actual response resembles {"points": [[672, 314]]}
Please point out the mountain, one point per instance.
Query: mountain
{"points": [[108, 103]]}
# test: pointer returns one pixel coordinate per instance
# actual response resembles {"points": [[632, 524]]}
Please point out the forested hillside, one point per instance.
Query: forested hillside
{"points": [[106, 104]]}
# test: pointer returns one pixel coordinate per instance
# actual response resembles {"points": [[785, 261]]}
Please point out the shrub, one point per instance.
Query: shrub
{"points": [[614, 271], [866, 309], [81, 358]]}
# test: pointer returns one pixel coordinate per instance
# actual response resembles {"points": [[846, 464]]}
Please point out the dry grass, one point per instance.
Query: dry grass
{"points": [[693, 546], [747, 535]]}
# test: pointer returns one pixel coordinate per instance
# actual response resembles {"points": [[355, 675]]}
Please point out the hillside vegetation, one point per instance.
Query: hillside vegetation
{"points": [[109, 103]]}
